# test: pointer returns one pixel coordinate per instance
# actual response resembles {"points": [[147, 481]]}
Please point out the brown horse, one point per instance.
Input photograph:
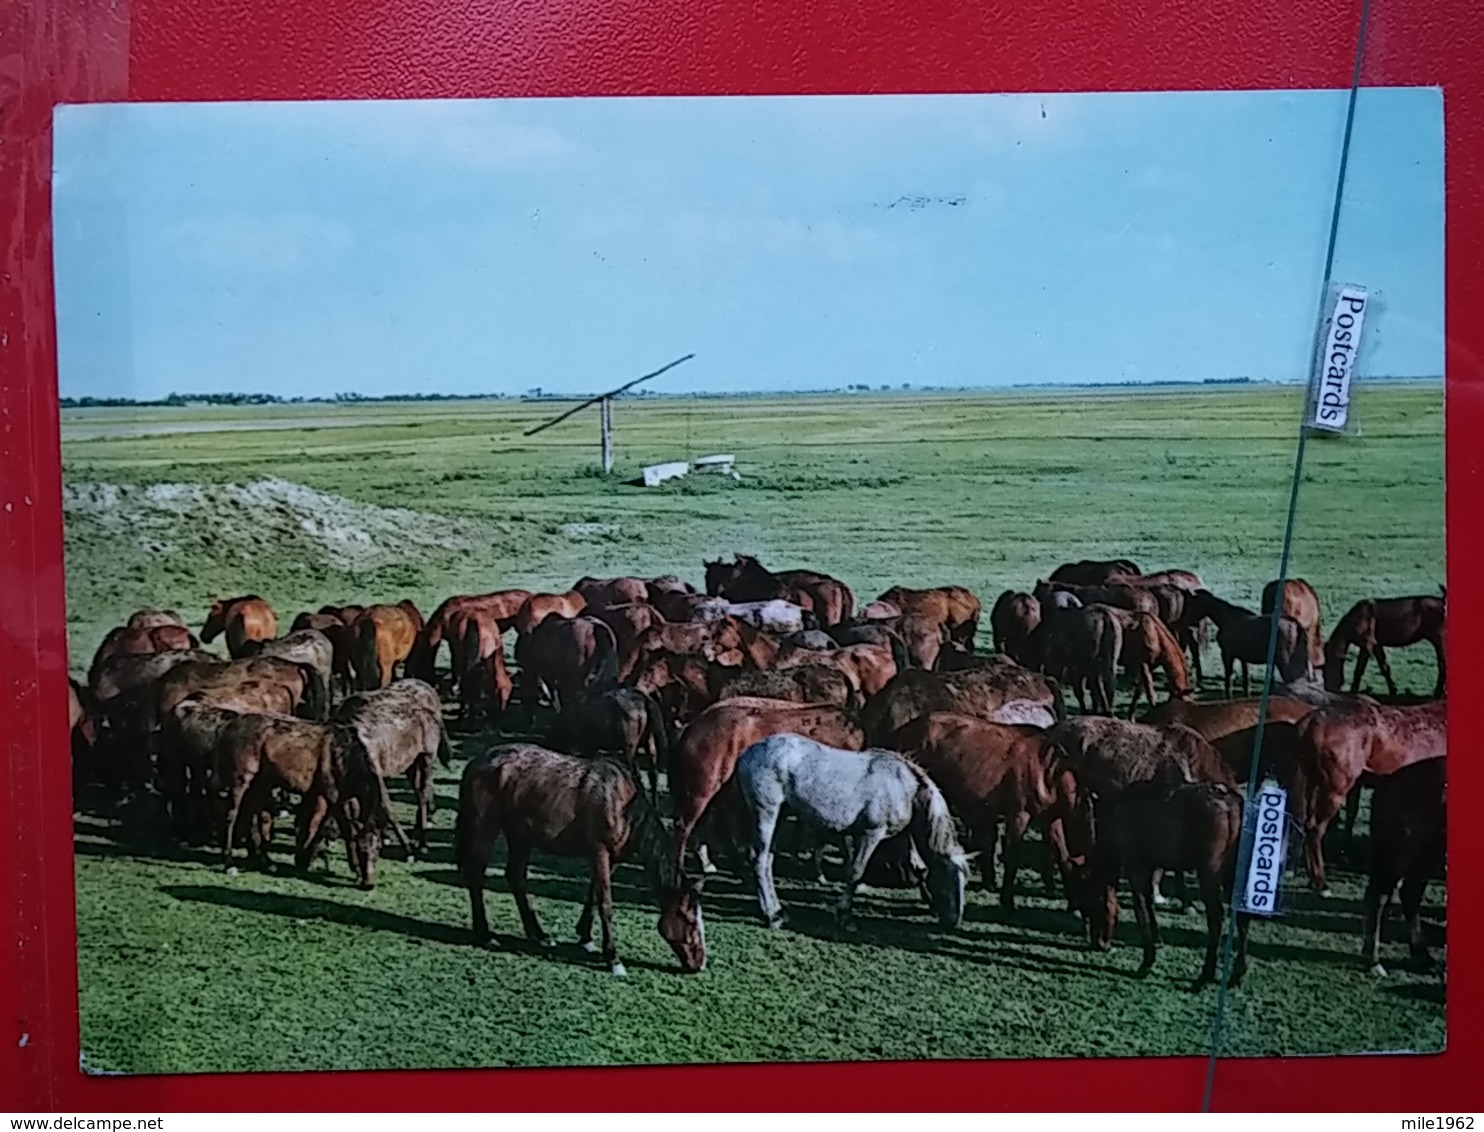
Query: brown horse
{"points": [[401, 727], [478, 657], [243, 619], [1014, 621], [629, 623], [300, 680], [342, 645], [602, 592], [1094, 572], [802, 684], [1153, 826], [954, 608], [1377, 624], [1340, 743], [538, 607], [1119, 596], [322, 763], [501, 605], [867, 668], [1409, 844], [979, 692], [681, 682], [384, 638], [129, 640], [1242, 636], [572, 807], [564, 655], [721, 641], [303, 646], [990, 772], [154, 618], [703, 759], [1187, 580], [622, 722], [746, 579], [1147, 645], [1081, 647], [1301, 602]]}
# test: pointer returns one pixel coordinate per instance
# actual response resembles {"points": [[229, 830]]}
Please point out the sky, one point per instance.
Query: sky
{"points": [[790, 243]]}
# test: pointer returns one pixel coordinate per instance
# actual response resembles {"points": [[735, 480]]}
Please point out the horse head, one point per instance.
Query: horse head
{"points": [[683, 927], [216, 620]]}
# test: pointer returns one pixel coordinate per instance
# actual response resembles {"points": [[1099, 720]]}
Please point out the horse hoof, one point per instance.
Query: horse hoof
{"points": [[545, 941], [1326, 893], [708, 868], [588, 945], [231, 870], [617, 968], [1378, 970], [412, 858]]}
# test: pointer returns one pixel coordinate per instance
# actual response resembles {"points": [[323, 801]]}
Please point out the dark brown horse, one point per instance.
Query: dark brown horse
{"points": [[1093, 572], [746, 579], [538, 607], [1014, 621], [1153, 826], [1134, 598], [681, 682], [1242, 636], [342, 645], [629, 623], [1338, 744], [1409, 843], [243, 619], [621, 722], [1377, 624], [564, 655], [1081, 648], [703, 759], [802, 684], [573, 807], [603, 592], [979, 692], [990, 772], [303, 646]]}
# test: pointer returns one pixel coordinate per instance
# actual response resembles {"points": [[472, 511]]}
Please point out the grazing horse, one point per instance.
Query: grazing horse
{"points": [[384, 638], [154, 618], [1014, 621], [629, 624], [1338, 744], [401, 727], [1115, 594], [868, 795], [1158, 825], [572, 807], [1092, 572], [342, 645], [1377, 624], [1231, 727], [1301, 602], [601, 592], [681, 682], [538, 607], [243, 619], [477, 652], [954, 608], [564, 655], [990, 772], [1147, 645], [326, 764], [1081, 647], [704, 757], [979, 692], [802, 684], [1409, 842], [1243, 636], [501, 605]]}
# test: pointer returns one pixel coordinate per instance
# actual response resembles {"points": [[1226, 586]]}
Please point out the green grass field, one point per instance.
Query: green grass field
{"points": [[185, 969]]}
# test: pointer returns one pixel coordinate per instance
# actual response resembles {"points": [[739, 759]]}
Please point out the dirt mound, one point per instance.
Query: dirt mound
{"points": [[243, 520]]}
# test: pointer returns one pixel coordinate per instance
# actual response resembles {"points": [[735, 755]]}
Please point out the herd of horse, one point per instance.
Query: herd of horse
{"points": [[879, 726]]}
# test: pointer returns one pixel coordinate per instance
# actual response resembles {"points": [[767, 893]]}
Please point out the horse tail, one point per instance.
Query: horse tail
{"points": [[1058, 699], [899, 655], [445, 753], [602, 668], [658, 728], [932, 821], [651, 842], [316, 692]]}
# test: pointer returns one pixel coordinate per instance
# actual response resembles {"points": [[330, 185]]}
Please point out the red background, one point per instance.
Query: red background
{"points": [[156, 50]]}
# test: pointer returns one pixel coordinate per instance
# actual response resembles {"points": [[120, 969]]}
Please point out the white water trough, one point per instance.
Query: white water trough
{"points": [[722, 465]]}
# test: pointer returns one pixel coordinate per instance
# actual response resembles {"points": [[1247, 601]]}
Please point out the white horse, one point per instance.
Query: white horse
{"points": [[866, 795]]}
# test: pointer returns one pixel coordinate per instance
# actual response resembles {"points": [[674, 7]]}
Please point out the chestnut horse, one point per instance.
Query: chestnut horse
{"points": [[572, 807], [243, 619], [477, 648], [538, 607], [1301, 602], [602, 592], [954, 608], [1338, 744], [978, 692], [1093, 572], [746, 579], [384, 638], [1014, 621], [501, 605], [1376, 624], [1147, 645], [704, 757]]}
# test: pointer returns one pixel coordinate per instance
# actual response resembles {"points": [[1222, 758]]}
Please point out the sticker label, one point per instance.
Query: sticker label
{"points": [[1267, 824], [1334, 368]]}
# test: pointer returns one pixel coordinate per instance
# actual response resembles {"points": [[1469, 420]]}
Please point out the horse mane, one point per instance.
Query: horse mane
{"points": [[932, 821], [651, 842]]}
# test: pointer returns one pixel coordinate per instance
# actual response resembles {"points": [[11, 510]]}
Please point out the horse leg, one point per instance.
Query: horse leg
{"points": [[865, 845], [1142, 884], [1385, 669], [585, 920], [1246, 679], [1215, 913], [420, 778], [764, 829], [1015, 827], [1352, 811], [1362, 658], [603, 882], [311, 829], [1378, 892], [988, 836], [1229, 661], [1441, 686], [1326, 805], [517, 862], [475, 859], [240, 784], [1414, 885]]}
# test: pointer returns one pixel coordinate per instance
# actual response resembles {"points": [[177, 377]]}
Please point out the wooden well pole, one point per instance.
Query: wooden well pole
{"points": [[605, 408]]}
